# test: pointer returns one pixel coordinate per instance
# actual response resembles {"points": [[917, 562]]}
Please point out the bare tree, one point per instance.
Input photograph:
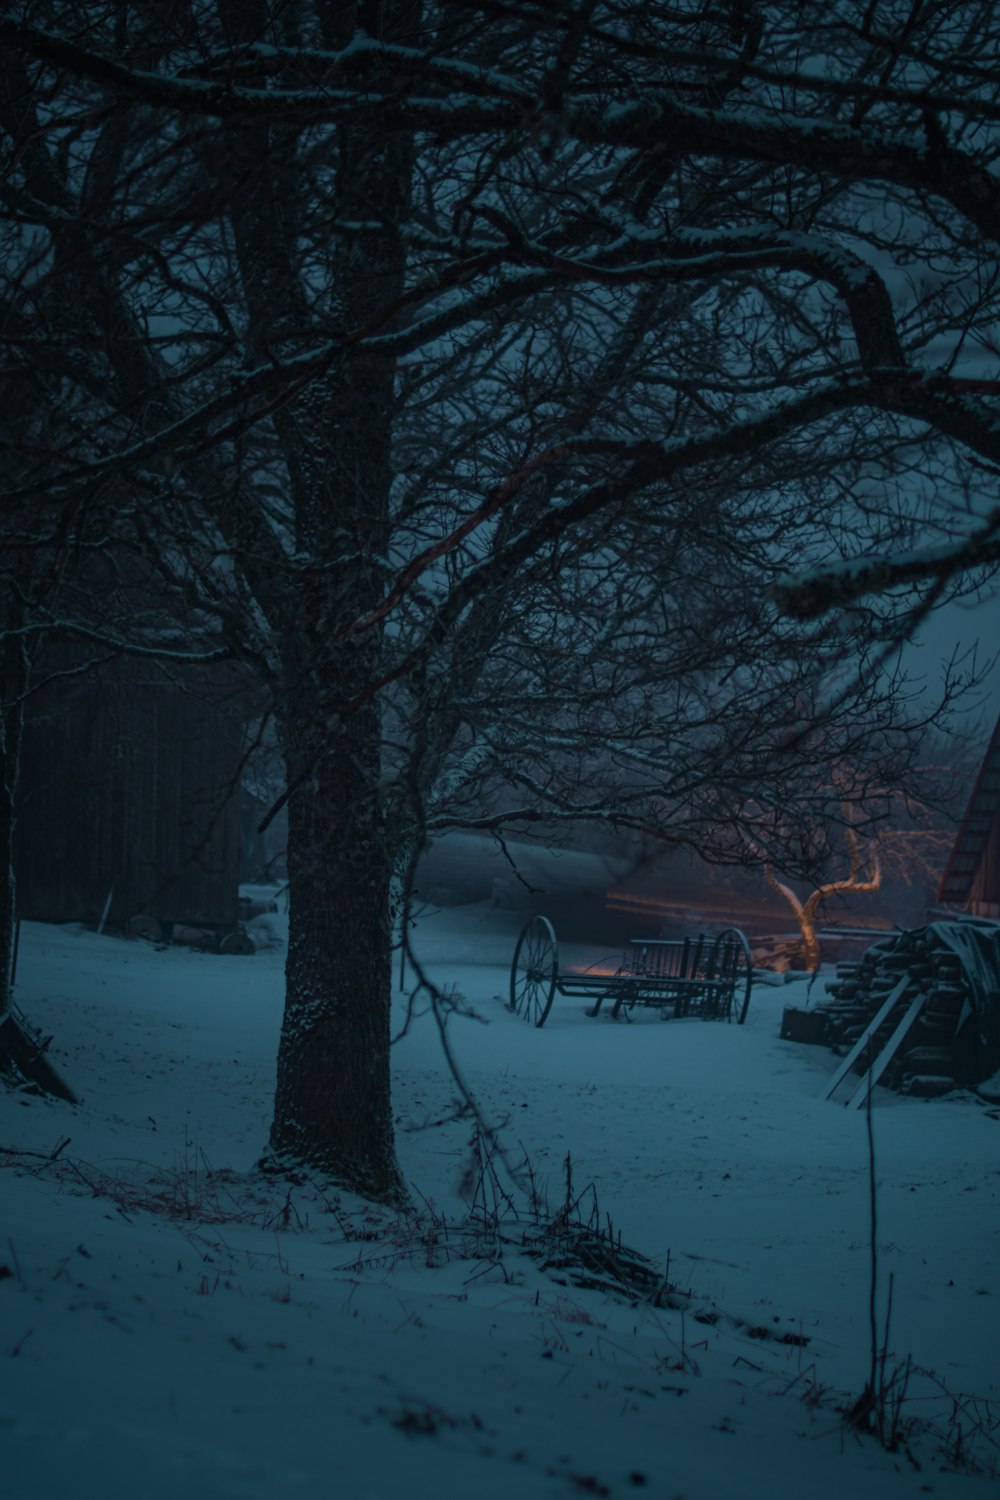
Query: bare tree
{"points": [[485, 368], [889, 832]]}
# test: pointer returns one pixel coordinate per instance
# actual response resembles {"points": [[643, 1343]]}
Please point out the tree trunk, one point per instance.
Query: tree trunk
{"points": [[13, 675], [8, 786], [332, 1105], [810, 942]]}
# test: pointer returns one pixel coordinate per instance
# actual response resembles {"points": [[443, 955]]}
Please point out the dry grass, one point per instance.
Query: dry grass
{"points": [[191, 1190]]}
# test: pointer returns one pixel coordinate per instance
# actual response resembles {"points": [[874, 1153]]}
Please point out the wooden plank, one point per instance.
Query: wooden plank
{"points": [[848, 1062], [22, 1051], [874, 1073]]}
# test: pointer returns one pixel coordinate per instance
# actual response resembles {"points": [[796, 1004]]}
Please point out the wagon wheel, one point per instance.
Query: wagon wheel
{"points": [[742, 970], [534, 970]]}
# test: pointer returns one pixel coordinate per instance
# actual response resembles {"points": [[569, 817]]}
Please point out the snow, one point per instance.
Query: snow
{"points": [[174, 1322]]}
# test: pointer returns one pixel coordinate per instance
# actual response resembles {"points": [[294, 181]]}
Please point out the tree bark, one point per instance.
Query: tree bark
{"points": [[805, 912], [9, 754], [13, 677], [332, 1102], [332, 1105]]}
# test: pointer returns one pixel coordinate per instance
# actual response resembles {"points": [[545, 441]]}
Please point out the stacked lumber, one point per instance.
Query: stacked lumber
{"points": [[929, 991]]}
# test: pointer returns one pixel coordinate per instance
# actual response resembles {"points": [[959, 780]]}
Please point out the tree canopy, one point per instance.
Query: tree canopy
{"points": [[516, 388]]}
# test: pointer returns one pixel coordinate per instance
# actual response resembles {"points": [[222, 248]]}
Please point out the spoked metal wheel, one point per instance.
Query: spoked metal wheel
{"points": [[534, 970], [730, 957]]}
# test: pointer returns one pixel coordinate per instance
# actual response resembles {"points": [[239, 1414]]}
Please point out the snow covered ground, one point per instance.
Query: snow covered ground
{"points": [[173, 1324]]}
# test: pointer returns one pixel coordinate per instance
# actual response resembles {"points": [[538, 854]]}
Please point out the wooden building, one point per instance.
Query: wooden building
{"points": [[971, 881], [128, 803]]}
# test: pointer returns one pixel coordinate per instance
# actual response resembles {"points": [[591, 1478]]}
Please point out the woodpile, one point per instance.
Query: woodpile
{"points": [[921, 1010]]}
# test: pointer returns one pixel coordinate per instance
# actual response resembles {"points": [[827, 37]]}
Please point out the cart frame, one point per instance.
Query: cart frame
{"points": [[707, 975]]}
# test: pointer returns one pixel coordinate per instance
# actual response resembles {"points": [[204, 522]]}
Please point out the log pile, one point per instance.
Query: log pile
{"points": [[943, 1048]]}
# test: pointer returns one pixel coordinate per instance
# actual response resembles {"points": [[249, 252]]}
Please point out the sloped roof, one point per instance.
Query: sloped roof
{"points": [[981, 816]]}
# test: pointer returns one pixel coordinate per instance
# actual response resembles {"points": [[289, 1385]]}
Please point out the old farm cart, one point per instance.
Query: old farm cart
{"points": [[705, 975]]}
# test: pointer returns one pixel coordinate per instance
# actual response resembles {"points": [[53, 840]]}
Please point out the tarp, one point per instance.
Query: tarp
{"points": [[977, 947]]}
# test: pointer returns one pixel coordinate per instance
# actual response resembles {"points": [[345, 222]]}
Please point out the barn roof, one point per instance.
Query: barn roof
{"points": [[981, 815]]}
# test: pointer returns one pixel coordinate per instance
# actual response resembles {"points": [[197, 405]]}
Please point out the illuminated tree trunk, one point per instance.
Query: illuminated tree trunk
{"points": [[807, 911]]}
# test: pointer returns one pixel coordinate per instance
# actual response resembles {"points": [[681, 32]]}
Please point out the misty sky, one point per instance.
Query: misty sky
{"points": [[961, 626]]}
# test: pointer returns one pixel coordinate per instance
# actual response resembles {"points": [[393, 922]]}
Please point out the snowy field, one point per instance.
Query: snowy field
{"points": [[173, 1324]]}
